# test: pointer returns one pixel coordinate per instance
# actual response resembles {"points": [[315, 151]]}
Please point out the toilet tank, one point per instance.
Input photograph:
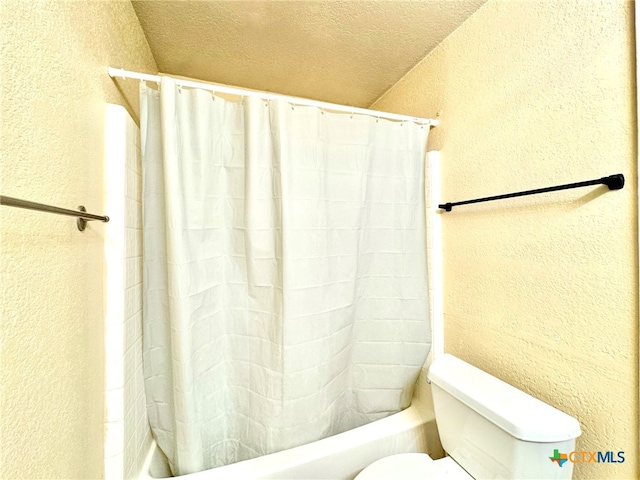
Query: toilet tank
{"points": [[493, 430]]}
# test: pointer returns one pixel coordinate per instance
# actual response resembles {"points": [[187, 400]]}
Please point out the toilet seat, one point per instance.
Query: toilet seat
{"points": [[413, 466]]}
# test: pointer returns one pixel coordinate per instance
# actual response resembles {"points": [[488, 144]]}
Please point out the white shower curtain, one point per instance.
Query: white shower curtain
{"points": [[285, 295]]}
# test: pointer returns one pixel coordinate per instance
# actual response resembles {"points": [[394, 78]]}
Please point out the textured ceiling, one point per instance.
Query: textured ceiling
{"points": [[347, 52]]}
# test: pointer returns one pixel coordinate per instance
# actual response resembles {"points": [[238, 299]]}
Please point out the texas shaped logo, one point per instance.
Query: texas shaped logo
{"points": [[558, 457]]}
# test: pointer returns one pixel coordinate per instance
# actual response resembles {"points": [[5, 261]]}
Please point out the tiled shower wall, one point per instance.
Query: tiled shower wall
{"points": [[434, 269], [128, 436], [434, 251]]}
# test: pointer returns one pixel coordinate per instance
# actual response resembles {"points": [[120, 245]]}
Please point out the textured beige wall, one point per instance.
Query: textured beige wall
{"points": [[54, 90], [541, 291]]}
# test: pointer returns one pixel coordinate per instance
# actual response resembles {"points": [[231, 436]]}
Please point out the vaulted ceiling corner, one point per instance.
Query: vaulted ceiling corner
{"points": [[340, 51]]}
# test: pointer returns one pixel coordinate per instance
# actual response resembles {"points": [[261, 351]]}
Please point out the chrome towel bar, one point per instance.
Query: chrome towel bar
{"points": [[81, 214]]}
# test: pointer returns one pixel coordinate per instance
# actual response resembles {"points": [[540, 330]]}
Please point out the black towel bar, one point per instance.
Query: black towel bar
{"points": [[614, 182]]}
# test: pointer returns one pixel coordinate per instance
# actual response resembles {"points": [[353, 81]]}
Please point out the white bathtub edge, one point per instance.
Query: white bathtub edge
{"points": [[341, 456]]}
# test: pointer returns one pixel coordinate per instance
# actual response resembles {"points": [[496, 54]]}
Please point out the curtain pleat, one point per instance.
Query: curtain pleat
{"points": [[285, 290]]}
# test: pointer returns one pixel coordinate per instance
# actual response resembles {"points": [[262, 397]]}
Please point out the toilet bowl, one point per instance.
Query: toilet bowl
{"points": [[488, 428], [411, 466]]}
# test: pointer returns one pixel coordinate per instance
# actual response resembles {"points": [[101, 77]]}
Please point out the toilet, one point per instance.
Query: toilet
{"points": [[488, 429]]}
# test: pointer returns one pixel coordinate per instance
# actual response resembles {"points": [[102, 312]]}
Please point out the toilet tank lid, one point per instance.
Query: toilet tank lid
{"points": [[516, 412]]}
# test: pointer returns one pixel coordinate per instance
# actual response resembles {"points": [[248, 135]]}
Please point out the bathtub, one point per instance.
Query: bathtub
{"points": [[340, 457]]}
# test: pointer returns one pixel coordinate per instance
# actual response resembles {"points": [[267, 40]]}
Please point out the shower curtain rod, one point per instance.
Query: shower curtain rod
{"points": [[121, 73]]}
